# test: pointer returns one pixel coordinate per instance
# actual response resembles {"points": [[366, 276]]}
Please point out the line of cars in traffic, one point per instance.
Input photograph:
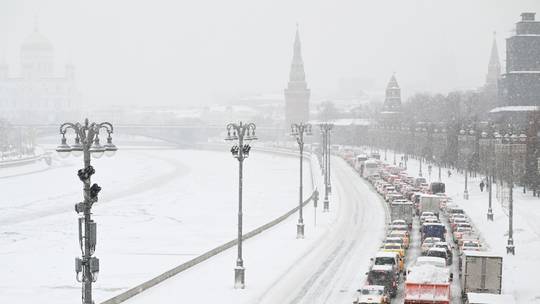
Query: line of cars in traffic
{"points": [[405, 197], [428, 279]]}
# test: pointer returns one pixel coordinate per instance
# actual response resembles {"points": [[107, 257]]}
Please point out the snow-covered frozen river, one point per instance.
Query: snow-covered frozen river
{"points": [[158, 208]]}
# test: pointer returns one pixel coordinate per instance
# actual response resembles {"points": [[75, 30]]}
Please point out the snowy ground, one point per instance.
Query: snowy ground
{"points": [[325, 267], [520, 271], [157, 209]]}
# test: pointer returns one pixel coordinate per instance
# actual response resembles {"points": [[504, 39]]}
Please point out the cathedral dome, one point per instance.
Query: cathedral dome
{"points": [[36, 41]]}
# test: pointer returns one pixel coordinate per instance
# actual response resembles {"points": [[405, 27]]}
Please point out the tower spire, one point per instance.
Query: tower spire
{"points": [[297, 57], [297, 74], [494, 59], [494, 66], [297, 93]]}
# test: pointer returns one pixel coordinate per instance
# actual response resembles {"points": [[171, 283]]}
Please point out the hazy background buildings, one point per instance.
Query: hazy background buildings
{"points": [[214, 60]]}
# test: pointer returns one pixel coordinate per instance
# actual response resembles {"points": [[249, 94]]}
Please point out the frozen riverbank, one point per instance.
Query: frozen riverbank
{"points": [[156, 210]]}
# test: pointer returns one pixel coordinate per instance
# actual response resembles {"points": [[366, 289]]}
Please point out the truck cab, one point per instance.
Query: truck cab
{"points": [[389, 258], [437, 230]]}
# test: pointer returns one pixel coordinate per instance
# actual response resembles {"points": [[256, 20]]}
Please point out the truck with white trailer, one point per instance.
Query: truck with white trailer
{"points": [[481, 272], [488, 298], [429, 203], [402, 210]]}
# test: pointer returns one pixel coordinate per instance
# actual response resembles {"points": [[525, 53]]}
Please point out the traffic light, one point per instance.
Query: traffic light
{"points": [[94, 190], [86, 173]]}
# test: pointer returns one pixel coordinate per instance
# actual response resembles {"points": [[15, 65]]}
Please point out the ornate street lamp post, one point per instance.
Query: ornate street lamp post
{"points": [[463, 135], [240, 132], [298, 130], [328, 158], [87, 144], [325, 131], [420, 170], [487, 144], [511, 140]]}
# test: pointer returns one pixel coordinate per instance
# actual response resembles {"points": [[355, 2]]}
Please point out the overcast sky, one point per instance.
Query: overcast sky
{"points": [[190, 52]]}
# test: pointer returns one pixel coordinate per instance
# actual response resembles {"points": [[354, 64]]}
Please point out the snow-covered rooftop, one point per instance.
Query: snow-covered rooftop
{"points": [[481, 254], [524, 72], [344, 122], [386, 254], [427, 273], [515, 109]]}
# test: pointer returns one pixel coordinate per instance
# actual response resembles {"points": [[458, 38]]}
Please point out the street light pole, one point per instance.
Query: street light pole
{"points": [[420, 170], [464, 138], [490, 210], [510, 248], [329, 157], [466, 190], [298, 131], [323, 159], [240, 132], [490, 167], [87, 144], [325, 130]]}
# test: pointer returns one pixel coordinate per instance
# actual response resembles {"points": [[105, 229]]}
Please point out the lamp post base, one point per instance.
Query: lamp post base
{"points": [[300, 230], [490, 215], [326, 205], [466, 194], [239, 275]]}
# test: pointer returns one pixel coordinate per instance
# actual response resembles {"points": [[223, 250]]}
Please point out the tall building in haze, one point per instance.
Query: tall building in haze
{"points": [[391, 111], [392, 100], [37, 95], [297, 93], [520, 85]]}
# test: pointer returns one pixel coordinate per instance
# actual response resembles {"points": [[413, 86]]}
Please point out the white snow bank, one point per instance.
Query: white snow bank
{"points": [[427, 273]]}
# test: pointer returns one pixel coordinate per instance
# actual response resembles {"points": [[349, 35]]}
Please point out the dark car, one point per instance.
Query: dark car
{"points": [[437, 187], [383, 275]]}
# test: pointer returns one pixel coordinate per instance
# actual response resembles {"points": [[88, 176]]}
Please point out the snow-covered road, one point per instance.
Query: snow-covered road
{"points": [[333, 271], [157, 209]]}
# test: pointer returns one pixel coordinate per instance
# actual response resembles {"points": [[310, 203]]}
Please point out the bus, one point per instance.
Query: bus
{"points": [[371, 167]]}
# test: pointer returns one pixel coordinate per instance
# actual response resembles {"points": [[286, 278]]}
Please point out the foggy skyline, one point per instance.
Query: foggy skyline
{"points": [[187, 53]]}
